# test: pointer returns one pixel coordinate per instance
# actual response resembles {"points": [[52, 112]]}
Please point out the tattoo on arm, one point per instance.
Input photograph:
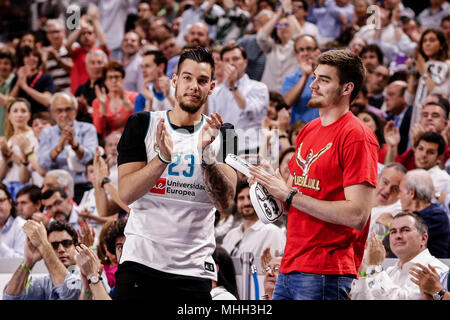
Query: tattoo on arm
{"points": [[218, 186]]}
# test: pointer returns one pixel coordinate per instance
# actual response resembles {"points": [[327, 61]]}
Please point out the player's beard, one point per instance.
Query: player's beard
{"points": [[322, 101], [191, 108]]}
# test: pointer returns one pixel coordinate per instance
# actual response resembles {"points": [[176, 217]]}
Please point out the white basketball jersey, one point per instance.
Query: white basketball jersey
{"points": [[171, 228]]}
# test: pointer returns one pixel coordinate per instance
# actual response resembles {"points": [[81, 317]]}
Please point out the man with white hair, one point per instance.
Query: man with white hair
{"points": [[416, 193], [69, 144], [85, 93]]}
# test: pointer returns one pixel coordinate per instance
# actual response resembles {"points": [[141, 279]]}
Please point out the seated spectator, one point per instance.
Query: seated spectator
{"points": [[376, 81], [12, 237], [398, 111], [32, 83], [56, 246], [58, 206], [90, 264], [171, 51], [256, 57], [416, 194], [246, 100], [331, 17], [432, 15], [300, 11], [270, 265], [111, 110], [432, 118], [225, 288], [429, 63], [296, 87], [88, 210], [371, 56], [198, 35], [232, 24], [200, 11], [251, 235], [374, 122], [432, 286], [96, 59], [132, 62], [87, 35], [387, 201], [107, 259], [29, 202], [7, 81], [408, 240], [157, 92], [56, 57], [275, 39], [69, 144], [17, 147], [356, 45]]}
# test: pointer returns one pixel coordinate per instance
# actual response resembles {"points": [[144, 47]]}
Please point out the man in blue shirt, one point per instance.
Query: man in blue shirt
{"points": [[69, 144], [295, 89]]}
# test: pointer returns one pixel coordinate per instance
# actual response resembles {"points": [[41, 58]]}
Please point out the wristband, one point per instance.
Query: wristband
{"points": [[86, 292], [290, 197], [233, 88], [29, 153], [76, 147], [105, 181], [164, 159]]}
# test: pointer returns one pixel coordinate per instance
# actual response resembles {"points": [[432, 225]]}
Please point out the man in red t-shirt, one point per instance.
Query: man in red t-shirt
{"points": [[330, 190]]}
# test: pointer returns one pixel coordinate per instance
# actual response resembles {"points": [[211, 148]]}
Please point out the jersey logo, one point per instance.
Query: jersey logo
{"points": [[159, 187], [310, 158], [209, 266], [303, 180]]}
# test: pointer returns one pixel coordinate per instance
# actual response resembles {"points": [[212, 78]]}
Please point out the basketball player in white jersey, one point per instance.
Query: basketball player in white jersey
{"points": [[170, 179]]}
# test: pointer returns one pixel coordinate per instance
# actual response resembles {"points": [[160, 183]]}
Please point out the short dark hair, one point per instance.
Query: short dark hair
{"points": [[115, 231], [349, 68], [6, 54], [43, 115], [26, 51], [158, 57], [63, 226], [198, 55], [373, 48], [33, 191], [433, 137], [443, 104], [241, 185], [420, 224], [446, 18], [113, 65], [226, 275], [49, 193], [232, 47]]}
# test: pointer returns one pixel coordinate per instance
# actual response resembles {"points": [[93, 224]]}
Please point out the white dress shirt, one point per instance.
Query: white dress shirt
{"points": [[441, 179], [247, 122], [12, 238], [394, 283], [255, 239]]}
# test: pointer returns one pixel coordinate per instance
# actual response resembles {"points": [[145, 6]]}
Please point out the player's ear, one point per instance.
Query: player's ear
{"points": [[174, 80], [348, 88], [212, 86]]}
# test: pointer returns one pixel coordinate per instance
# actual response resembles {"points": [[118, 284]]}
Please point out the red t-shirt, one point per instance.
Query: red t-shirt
{"points": [[331, 158]]}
